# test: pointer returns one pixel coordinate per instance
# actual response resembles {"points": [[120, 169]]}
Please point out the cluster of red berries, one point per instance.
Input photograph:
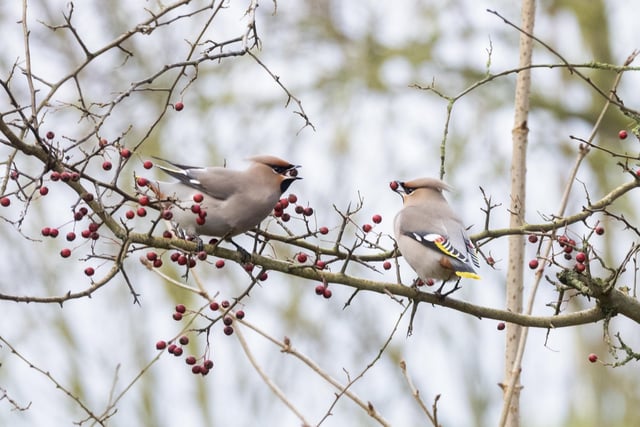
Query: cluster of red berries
{"points": [[285, 202], [376, 219], [568, 247], [178, 349], [323, 290]]}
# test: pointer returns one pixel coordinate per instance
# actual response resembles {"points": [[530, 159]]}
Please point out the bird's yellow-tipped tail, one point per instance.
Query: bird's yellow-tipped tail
{"points": [[467, 275]]}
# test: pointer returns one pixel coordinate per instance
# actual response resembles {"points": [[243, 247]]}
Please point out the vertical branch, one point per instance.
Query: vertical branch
{"points": [[510, 411]]}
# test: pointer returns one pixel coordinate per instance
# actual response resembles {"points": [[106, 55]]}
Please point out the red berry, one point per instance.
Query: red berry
{"points": [[192, 262], [321, 264], [501, 326], [533, 264], [228, 330], [5, 201], [227, 320], [107, 165], [141, 212], [198, 198], [622, 134], [292, 198], [308, 211], [44, 191], [190, 360], [302, 258], [264, 276], [167, 214], [75, 176], [65, 253], [562, 241], [46, 231], [161, 345], [319, 289], [248, 267], [239, 314], [130, 214], [283, 203], [178, 106], [367, 228], [225, 304], [87, 197], [93, 227], [202, 255], [327, 293], [220, 263], [593, 358], [214, 306], [177, 316], [599, 231], [148, 164], [285, 217], [386, 265], [377, 219], [71, 236], [167, 234], [581, 257], [580, 267], [394, 185], [157, 263], [14, 175], [172, 348], [55, 176], [491, 261], [533, 238], [125, 153], [430, 282], [89, 271], [182, 259], [208, 364], [184, 340], [50, 135], [142, 182], [200, 220], [178, 351], [65, 176], [54, 232], [196, 369], [323, 230], [102, 142], [299, 209], [85, 234], [143, 200]]}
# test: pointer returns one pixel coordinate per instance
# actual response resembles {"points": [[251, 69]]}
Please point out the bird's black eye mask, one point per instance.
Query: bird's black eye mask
{"points": [[406, 188], [281, 169]]}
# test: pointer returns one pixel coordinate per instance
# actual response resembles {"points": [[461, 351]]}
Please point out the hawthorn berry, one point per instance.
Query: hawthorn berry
{"points": [[393, 185], [319, 289], [55, 176], [622, 134], [198, 198], [50, 135], [142, 182], [308, 211], [533, 238], [157, 263], [227, 320], [75, 176], [161, 345], [292, 198], [500, 326], [5, 201], [367, 228], [107, 165], [214, 306], [190, 360], [65, 176], [196, 369], [141, 212], [89, 271], [208, 364], [228, 330], [377, 219], [581, 257], [167, 214], [178, 106], [44, 191], [152, 256], [533, 264], [299, 209], [125, 153], [599, 231], [239, 314], [593, 358], [180, 308], [130, 214], [285, 217], [54, 232], [264, 276], [323, 230], [178, 351], [46, 231], [386, 265], [220, 263], [579, 267], [143, 200], [85, 234], [184, 340], [202, 255], [302, 258], [65, 253], [177, 316], [147, 164], [320, 264], [327, 293], [491, 261], [71, 236], [172, 348]]}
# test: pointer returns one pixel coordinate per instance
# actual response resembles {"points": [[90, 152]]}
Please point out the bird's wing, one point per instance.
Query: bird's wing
{"points": [[217, 182]]}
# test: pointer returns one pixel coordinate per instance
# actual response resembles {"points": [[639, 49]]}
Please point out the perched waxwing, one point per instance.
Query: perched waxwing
{"points": [[221, 202], [430, 235]]}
